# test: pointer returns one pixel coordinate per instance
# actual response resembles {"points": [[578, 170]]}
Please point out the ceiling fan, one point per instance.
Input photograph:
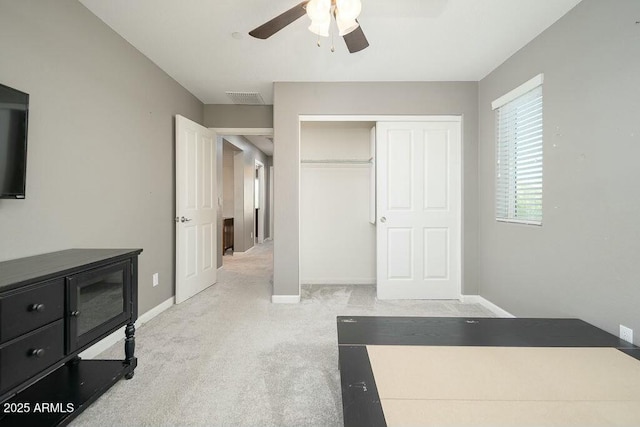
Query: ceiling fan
{"points": [[321, 12]]}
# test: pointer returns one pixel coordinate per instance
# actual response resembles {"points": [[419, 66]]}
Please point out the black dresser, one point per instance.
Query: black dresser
{"points": [[52, 307]]}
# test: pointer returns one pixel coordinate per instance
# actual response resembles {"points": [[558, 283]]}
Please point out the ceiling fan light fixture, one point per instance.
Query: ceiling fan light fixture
{"points": [[321, 13], [349, 10], [346, 26], [320, 27], [319, 10]]}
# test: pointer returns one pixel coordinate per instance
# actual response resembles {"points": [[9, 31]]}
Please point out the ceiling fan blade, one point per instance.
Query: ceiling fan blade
{"points": [[268, 29], [356, 40]]}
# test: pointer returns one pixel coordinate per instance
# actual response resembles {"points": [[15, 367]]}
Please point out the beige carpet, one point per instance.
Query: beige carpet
{"points": [[506, 386], [228, 357]]}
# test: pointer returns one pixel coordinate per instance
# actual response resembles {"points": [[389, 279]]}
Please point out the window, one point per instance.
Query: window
{"points": [[519, 154]]}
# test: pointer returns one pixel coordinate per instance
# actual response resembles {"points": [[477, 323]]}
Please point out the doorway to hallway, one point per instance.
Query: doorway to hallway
{"points": [[244, 199]]}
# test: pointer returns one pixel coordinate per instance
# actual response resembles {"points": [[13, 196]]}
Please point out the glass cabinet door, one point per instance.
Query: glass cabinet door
{"points": [[97, 301]]}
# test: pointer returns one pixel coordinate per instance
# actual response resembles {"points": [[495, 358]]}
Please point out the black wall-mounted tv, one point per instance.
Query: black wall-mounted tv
{"points": [[14, 118]]}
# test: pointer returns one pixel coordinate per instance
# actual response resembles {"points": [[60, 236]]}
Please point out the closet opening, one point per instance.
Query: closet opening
{"points": [[337, 237]]}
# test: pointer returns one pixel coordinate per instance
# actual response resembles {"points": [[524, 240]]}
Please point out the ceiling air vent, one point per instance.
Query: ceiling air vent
{"points": [[246, 98]]}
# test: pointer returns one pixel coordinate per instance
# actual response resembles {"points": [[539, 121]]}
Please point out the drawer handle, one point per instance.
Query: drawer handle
{"points": [[36, 307], [36, 352], [75, 313]]}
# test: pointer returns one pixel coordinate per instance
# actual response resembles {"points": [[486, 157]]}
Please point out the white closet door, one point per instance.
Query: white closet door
{"points": [[419, 193], [372, 176]]}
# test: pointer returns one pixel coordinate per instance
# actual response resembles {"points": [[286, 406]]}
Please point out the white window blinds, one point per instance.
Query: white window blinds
{"points": [[519, 159]]}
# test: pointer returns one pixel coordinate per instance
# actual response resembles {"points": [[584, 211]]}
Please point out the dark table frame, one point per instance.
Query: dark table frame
{"points": [[360, 400]]}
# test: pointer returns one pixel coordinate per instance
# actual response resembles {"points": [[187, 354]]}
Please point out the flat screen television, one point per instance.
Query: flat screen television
{"points": [[14, 116]]}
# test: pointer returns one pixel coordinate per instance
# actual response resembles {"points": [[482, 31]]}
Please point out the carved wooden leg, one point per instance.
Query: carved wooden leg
{"points": [[129, 347]]}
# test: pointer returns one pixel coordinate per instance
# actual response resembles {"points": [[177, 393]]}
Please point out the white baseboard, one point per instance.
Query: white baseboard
{"points": [[244, 252], [118, 335], [477, 299], [285, 299], [371, 281], [155, 311]]}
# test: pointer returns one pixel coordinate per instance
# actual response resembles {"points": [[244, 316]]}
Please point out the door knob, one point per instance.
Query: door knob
{"points": [[383, 219], [183, 219]]}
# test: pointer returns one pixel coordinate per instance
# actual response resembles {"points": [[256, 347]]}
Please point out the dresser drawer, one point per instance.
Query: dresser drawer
{"points": [[30, 309], [25, 357]]}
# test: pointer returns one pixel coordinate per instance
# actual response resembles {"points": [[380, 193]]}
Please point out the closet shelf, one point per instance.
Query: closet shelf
{"points": [[338, 161]]}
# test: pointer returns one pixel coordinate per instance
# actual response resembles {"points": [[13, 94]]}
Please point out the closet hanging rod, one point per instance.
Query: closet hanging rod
{"points": [[339, 161]]}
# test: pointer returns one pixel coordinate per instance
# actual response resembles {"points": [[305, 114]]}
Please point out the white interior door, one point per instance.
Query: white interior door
{"points": [[262, 203], [271, 202], [419, 210], [196, 208]]}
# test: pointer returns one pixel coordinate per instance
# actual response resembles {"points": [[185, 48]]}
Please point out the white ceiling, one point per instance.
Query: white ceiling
{"points": [[264, 143], [410, 40]]}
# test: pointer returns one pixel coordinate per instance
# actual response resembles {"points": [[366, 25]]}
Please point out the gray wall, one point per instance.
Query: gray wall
{"points": [[244, 181], [101, 147], [422, 98], [584, 260], [238, 116]]}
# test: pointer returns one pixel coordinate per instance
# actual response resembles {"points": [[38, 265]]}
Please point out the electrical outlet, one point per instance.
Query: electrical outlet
{"points": [[626, 334], [155, 279]]}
